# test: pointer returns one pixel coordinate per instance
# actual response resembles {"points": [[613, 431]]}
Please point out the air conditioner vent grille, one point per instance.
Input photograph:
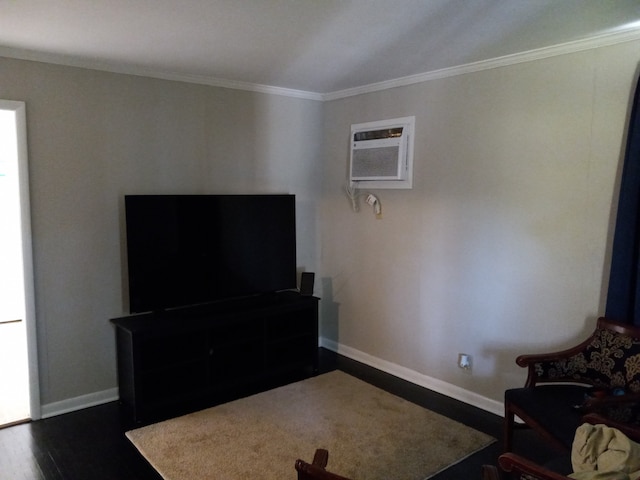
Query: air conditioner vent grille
{"points": [[375, 163]]}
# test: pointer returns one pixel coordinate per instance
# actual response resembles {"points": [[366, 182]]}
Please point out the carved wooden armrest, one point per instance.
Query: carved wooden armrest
{"points": [[529, 361], [618, 340], [513, 463], [630, 430], [597, 403], [533, 358]]}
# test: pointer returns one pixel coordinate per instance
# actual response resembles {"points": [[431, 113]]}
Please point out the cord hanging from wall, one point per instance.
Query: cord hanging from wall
{"points": [[354, 194]]}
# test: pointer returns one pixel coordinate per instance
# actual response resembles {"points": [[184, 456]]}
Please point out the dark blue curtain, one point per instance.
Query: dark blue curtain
{"points": [[623, 298]]}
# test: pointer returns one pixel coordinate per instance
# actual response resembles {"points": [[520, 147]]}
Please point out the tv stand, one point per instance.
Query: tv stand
{"points": [[182, 360]]}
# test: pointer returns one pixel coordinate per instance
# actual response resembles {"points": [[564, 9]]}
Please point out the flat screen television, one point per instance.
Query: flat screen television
{"points": [[192, 249]]}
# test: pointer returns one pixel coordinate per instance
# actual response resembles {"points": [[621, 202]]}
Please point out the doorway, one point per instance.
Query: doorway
{"points": [[19, 391]]}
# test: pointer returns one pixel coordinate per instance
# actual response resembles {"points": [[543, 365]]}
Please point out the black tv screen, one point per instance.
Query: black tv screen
{"points": [[191, 249]]}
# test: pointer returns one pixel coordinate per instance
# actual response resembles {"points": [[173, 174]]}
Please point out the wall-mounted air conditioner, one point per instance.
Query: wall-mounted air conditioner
{"points": [[382, 154]]}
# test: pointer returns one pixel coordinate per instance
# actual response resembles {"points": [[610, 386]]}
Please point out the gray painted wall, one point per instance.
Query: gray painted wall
{"points": [[501, 247], [94, 137]]}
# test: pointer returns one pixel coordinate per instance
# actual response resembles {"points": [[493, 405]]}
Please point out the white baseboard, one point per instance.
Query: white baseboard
{"points": [[466, 396], [78, 403]]}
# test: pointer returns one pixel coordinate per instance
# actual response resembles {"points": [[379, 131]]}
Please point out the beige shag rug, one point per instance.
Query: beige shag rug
{"points": [[370, 434]]}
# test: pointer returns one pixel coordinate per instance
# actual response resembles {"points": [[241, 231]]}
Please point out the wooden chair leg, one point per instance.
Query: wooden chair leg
{"points": [[508, 428], [490, 472]]}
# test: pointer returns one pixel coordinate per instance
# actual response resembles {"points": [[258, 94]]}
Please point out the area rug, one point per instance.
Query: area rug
{"points": [[370, 435]]}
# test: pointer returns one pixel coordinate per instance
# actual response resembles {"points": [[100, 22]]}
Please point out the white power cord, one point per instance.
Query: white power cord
{"points": [[354, 194]]}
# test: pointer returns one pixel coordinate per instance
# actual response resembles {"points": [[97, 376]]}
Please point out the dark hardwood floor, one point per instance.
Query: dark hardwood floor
{"points": [[90, 444]]}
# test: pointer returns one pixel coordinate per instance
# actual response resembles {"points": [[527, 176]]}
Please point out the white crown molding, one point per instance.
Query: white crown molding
{"points": [[603, 40], [598, 41], [70, 61], [237, 85]]}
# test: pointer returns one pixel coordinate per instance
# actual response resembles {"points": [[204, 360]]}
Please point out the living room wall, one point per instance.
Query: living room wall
{"points": [[94, 137], [502, 246]]}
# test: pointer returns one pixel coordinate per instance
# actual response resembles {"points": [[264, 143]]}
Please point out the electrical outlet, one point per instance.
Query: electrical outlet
{"points": [[464, 361]]}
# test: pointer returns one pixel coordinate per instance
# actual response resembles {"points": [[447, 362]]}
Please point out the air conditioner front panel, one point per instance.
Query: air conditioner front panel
{"points": [[376, 163], [382, 153]]}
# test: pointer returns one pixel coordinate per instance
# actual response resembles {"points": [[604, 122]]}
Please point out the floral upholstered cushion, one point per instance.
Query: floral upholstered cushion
{"points": [[610, 361]]}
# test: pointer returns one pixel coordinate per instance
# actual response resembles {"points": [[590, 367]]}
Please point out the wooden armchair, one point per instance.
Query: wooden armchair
{"points": [[601, 374], [517, 467], [511, 465], [316, 469]]}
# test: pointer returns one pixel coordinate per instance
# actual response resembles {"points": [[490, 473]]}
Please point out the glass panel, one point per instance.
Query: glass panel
{"points": [[14, 393]]}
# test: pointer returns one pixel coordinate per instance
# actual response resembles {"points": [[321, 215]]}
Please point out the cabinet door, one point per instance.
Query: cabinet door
{"points": [[172, 365], [293, 354], [236, 352], [292, 339], [291, 325]]}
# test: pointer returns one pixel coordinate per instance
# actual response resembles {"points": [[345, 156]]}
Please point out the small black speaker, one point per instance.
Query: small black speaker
{"points": [[306, 283]]}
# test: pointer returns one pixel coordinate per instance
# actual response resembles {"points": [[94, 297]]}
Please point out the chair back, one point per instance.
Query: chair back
{"points": [[608, 359]]}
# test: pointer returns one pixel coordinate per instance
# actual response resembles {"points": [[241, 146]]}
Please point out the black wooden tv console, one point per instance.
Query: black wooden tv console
{"points": [[181, 360]]}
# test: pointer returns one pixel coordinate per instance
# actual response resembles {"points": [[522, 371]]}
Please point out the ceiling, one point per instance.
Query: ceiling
{"points": [[318, 46]]}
